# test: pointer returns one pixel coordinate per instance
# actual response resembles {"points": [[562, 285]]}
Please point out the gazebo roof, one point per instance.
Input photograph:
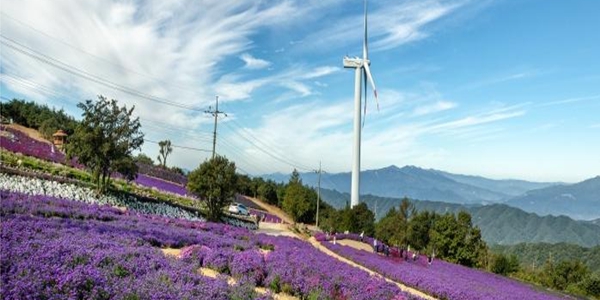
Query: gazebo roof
{"points": [[59, 132]]}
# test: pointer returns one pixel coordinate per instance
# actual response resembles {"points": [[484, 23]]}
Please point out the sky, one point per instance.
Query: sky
{"points": [[501, 89]]}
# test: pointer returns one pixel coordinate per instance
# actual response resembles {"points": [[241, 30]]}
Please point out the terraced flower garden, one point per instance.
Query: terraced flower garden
{"points": [[63, 249], [441, 279], [62, 241]]}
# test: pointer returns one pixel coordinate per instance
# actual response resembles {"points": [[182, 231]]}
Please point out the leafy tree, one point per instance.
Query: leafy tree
{"points": [[563, 274], [177, 170], [40, 117], [418, 229], [591, 285], [505, 265], [363, 219], [386, 228], [405, 212], [455, 239], [165, 150], [295, 202], [267, 192], [244, 185], [214, 180], [144, 159], [105, 139]]}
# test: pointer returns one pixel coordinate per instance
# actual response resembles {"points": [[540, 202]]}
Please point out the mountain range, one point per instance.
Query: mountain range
{"points": [[579, 201], [500, 224]]}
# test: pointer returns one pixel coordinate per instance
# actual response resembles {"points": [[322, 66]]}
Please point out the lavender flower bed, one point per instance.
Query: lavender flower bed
{"points": [[298, 266], [59, 249], [265, 216], [441, 279], [55, 248], [161, 185], [19, 142], [161, 173]]}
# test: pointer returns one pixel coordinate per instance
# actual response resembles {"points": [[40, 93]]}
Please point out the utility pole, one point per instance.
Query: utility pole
{"points": [[318, 193], [215, 113]]}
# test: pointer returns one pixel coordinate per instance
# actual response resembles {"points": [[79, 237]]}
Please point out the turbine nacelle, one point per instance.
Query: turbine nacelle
{"points": [[354, 62]]}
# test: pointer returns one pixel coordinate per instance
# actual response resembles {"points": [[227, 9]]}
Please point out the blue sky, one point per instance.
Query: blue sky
{"points": [[503, 89]]}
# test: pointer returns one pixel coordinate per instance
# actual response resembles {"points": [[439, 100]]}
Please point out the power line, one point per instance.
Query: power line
{"points": [[16, 46], [264, 144], [181, 147], [241, 157], [39, 87], [8, 17]]}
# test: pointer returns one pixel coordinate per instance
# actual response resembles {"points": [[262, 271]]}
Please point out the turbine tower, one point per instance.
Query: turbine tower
{"points": [[361, 65]]}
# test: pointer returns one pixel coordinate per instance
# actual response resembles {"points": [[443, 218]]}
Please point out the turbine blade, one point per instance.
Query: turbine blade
{"points": [[365, 50], [368, 74]]}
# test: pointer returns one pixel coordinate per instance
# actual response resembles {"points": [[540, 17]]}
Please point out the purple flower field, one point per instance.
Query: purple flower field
{"points": [[161, 173], [267, 217], [441, 279], [161, 185], [60, 249], [19, 142]]}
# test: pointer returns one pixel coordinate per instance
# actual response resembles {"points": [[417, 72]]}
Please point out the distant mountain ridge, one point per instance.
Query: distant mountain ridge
{"points": [[511, 187], [500, 224], [425, 184], [580, 200], [436, 185]]}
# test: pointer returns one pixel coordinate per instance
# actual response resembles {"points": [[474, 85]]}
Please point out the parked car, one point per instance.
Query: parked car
{"points": [[238, 208]]}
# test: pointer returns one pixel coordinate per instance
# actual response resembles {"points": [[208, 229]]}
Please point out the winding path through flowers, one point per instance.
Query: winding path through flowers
{"points": [[403, 287], [279, 213]]}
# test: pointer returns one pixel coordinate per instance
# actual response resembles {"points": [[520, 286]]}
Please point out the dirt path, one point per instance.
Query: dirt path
{"points": [[32, 133], [403, 287], [271, 209], [356, 245]]}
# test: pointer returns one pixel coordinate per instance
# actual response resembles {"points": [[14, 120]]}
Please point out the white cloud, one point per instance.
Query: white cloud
{"points": [[253, 62], [235, 87], [391, 24], [433, 108], [570, 100]]}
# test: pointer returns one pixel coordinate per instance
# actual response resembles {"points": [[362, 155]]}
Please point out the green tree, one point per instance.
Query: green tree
{"points": [[163, 152], [215, 181], [386, 228], [296, 200], [105, 139], [505, 265], [267, 192], [564, 274], [362, 220], [144, 159], [244, 185], [457, 240], [177, 170], [418, 229], [405, 212]]}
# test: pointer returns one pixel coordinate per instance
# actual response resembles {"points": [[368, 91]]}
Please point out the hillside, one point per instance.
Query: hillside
{"points": [[580, 200], [500, 224], [418, 183], [534, 255]]}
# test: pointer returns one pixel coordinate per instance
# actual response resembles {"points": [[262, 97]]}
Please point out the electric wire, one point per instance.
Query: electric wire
{"points": [[16, 46], [20, 48]]}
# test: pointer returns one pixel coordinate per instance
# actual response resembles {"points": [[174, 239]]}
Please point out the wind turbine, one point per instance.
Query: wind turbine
{"points": [[361, 65]]}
